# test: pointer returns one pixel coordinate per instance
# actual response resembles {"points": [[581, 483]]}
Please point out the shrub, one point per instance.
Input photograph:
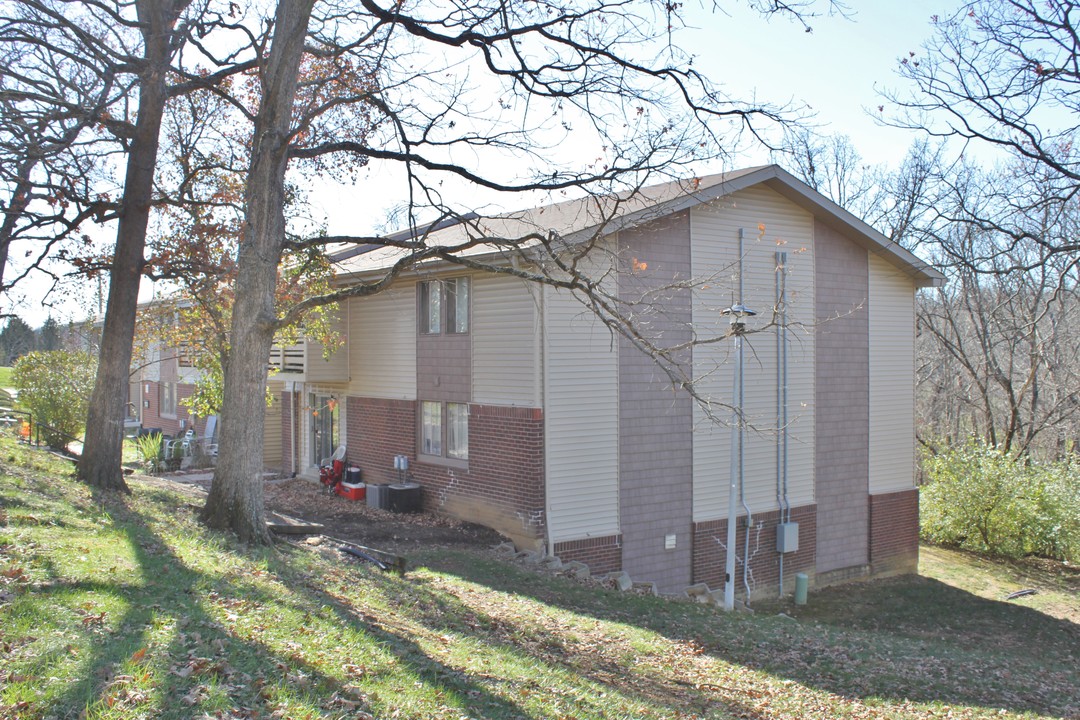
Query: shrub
{"points": [[980, 498], [150, 448], [55, 387], [1057, 519]]}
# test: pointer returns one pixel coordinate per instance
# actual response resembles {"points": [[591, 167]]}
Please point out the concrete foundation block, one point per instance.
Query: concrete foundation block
{"points": [[506, 548], [577, 569], [694, 592], [646, 588]]}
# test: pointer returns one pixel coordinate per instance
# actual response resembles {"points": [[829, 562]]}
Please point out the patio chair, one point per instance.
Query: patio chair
{"points": [[209, 441], [184, 442], [331, 469]]}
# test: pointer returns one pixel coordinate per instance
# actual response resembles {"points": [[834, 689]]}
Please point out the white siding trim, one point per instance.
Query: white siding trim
{"points": [[382, 344], [581, 416], [892, 378], [714, 255], [336, 367], [503, 341]]}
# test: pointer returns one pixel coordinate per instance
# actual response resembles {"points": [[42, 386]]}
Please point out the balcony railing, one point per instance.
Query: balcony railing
{"points": [[289, 359]]}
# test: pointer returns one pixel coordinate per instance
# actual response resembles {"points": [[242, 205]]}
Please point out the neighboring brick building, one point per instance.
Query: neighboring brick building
{"points": [[518, 409]]}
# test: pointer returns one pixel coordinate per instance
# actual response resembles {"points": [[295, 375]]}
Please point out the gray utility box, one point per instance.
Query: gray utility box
{"points": [[378, 496], [787, 537]]}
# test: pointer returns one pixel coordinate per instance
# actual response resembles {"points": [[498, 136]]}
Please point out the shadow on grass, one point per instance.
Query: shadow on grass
{"points": [[208, 667], [902, 639], [603, 676]]}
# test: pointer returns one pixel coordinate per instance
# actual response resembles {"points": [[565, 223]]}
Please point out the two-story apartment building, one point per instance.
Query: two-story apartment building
{"points": [[519, 409]]}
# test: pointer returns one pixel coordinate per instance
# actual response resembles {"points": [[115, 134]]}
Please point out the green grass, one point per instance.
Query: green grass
{"points": [[123, 607], [5, 377]]}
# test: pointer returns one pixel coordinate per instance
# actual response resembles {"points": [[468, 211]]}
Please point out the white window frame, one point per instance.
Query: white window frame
{"points": [[167, 391], [430, 307], [457, 431], [443, 306], [431, 428], [444, 432], [457, 293]]}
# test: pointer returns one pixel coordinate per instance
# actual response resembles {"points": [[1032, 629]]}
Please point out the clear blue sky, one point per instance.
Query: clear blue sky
{"points": [[833, 70]]}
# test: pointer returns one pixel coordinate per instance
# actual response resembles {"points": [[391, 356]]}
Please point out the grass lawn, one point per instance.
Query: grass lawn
{"points": [[124, 607], [5, 377]]}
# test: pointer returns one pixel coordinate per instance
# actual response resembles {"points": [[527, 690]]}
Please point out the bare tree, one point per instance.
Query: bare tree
{"points": [[479, 96], [1003, 75], [52, 97], [999, 346], [157, 24], [832, 165]]}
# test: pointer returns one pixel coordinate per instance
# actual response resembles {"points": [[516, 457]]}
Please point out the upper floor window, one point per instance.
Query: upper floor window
{"points": [[444, 306], [457, 304]]}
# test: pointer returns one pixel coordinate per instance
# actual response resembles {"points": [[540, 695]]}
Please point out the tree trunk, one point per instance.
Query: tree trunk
{"points": [[20, 198], [103, 445], [236, 496]]}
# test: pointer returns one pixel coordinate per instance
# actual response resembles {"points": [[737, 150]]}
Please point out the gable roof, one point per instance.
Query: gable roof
{"points": [[577, 220]]}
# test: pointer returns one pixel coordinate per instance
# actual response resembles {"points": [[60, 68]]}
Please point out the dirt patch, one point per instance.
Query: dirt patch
{"points": [[380, 529], [350, 520]]}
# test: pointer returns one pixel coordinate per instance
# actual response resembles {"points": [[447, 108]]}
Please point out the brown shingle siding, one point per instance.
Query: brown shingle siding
{"points": [[842, 398], [655, 423]]}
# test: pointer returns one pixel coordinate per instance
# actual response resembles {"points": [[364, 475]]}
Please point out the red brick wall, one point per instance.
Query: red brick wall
{"points": [[151, 416], [376, 431], [710, 539], [503, 485], [602, 555], [894, 532]]}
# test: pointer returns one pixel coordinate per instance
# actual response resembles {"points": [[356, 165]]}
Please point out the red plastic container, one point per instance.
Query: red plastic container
{"points": [[352, 492]]}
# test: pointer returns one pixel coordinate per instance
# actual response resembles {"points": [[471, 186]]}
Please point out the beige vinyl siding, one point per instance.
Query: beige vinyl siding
{"points": [[382, 344], [336, 367], [714, 255], [504, 355], [892, 378], [581, 422], [152, 370], [272, 448], [188, 375]]}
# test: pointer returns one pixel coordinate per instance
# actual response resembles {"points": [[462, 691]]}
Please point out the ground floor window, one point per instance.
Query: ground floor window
{"points": [[325, 426], [457, 431], [167, 399], [431, 428], [444, 430]]}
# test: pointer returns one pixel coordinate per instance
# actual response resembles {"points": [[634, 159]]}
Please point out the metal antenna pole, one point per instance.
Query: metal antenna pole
{"points": [[737, 313]]}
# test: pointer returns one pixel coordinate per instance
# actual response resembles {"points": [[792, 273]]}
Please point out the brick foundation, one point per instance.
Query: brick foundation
{"points": [[503, 485], [710, 540], [602, 555], [894, 533]]}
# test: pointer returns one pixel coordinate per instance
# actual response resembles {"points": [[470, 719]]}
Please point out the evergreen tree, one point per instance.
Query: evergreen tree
{"points": [[16, 339], [49, 335]]}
